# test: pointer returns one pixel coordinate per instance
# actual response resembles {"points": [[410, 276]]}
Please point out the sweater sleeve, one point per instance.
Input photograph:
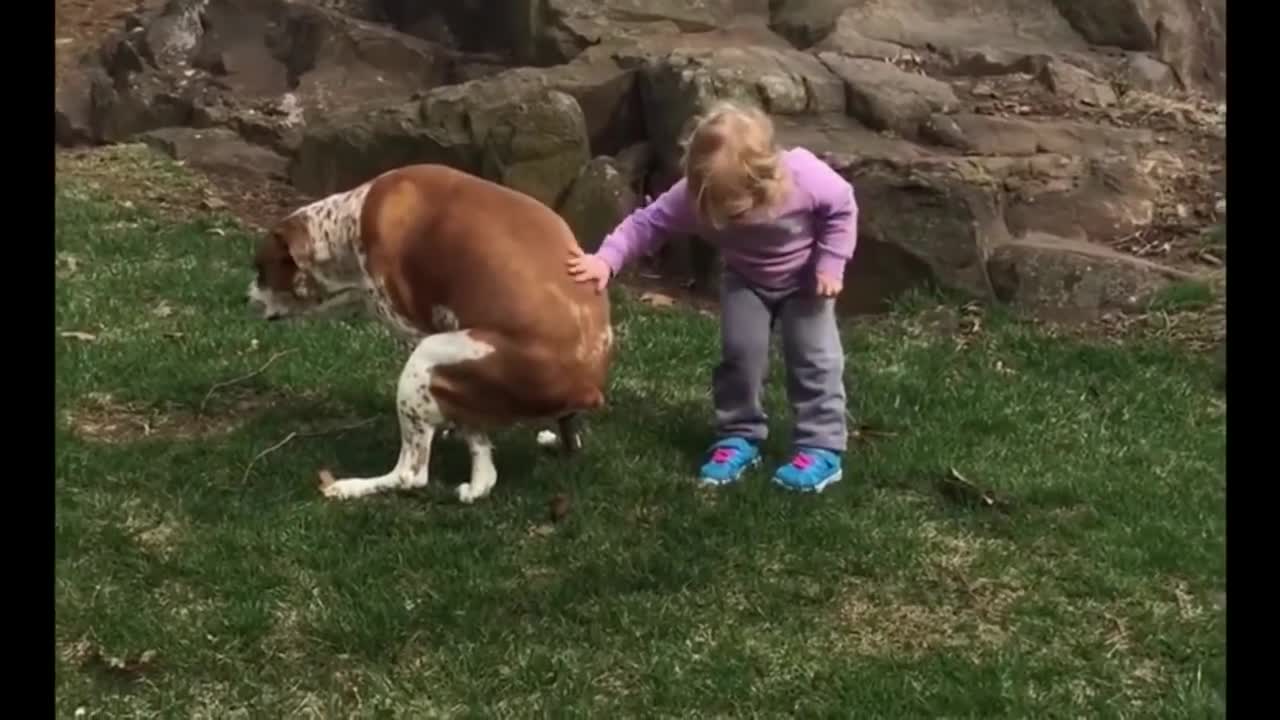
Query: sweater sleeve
{"points": [[644, 230], [835, 220]]}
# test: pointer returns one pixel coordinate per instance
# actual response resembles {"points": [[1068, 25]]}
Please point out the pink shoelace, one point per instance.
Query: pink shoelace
{"points": [[722, 455], [802, 460]]}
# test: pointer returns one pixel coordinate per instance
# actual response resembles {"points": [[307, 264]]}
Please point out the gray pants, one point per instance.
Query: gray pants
{"points": [[810, 348]]}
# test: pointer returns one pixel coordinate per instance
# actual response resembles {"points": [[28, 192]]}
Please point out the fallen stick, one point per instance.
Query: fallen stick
{"points": [[295, 435], [242, 378]]}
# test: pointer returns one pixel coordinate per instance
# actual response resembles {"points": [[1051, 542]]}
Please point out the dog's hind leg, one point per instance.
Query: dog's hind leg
{"points": [[567, 438], [483, 473], [419, 415], [410, 470], [512, 383]]}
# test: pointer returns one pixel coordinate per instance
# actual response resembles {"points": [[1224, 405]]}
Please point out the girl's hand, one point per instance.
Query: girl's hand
{"points": [[589, 268], [828, 287]]}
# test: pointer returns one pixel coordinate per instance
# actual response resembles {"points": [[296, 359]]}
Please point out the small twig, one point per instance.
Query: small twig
{"points": [[295, 435], [242, 378]]}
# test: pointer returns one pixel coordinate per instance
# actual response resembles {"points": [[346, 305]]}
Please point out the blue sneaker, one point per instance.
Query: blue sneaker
{"points": [[810, 470], [730, 457]]}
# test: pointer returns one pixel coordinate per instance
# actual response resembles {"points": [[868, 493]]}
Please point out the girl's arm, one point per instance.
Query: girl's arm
{"points": [[647, 228], [835, 221]]}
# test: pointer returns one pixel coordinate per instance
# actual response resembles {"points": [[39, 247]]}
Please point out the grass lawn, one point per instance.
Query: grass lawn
{"points": [[194, 581]]}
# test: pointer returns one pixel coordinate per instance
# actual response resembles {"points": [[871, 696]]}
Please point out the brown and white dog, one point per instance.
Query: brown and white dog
{"points": [[473, 274]]}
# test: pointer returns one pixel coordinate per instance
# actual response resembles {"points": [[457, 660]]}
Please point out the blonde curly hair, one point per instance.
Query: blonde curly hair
{"points": [[732, 164]]}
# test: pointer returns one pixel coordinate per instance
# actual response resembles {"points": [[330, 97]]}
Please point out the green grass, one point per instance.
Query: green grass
{"points": [[1186, 295], [1099, 593]]}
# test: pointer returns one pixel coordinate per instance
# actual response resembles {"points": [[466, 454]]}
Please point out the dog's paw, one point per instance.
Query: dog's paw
{"points": [[332, 488], [548, 440], [469, 493]]}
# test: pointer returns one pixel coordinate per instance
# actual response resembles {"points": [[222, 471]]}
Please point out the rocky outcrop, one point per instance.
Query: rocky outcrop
{"points": [[602, 196], [1187, 35], [677, 87], [261, 64], [1073, 280], [995, 149], [885, 97], [217, 150], [506, 128]]}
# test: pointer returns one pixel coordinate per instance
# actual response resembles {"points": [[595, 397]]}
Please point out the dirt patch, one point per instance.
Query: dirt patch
{"points": [[102, 418], [135, 174], [874, 624], [962, 612]]}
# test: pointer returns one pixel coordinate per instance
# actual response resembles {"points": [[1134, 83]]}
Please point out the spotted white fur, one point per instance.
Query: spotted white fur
{"points": [[420, 418], [334, 266]]}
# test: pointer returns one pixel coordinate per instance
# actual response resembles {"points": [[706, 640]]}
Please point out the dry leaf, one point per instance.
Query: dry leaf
{"points": [[864, 431], [69, 261], [77, 335], [163, 310], [125, 667], [656, 299], [957, 488], [541, 530]]}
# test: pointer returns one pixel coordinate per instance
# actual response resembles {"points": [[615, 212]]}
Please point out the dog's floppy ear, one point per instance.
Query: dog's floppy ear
{"points": [[296, 238]]}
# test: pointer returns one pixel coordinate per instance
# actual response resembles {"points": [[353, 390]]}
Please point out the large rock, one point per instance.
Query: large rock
{"points": [[804, 22], [175, 34], [846, 40], [504, 128], [1077, 84], [355, 146], [265, 48], [885, 97], [1101, 199], [1013, 136], [1143, 72], [72, 106], [1073, 280], [507, 27], [924, 220], [948, 26], [681, 85], [217, 150], [606, 92], [143, 101], [600, 198], [1188, 35], [220, 62], [548, 32]]}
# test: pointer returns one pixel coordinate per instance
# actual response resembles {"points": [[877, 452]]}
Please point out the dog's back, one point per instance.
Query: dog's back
{"points": [[454, 251]]}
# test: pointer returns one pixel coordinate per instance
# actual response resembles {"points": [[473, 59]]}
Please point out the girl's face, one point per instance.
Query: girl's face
{"points": [[729, 200]]}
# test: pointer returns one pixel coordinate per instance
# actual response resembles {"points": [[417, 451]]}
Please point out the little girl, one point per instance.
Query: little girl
{"points": [[785, 224]]}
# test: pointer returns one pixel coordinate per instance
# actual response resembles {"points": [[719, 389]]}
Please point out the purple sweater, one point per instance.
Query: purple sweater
{"points": [[815, 231]]}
